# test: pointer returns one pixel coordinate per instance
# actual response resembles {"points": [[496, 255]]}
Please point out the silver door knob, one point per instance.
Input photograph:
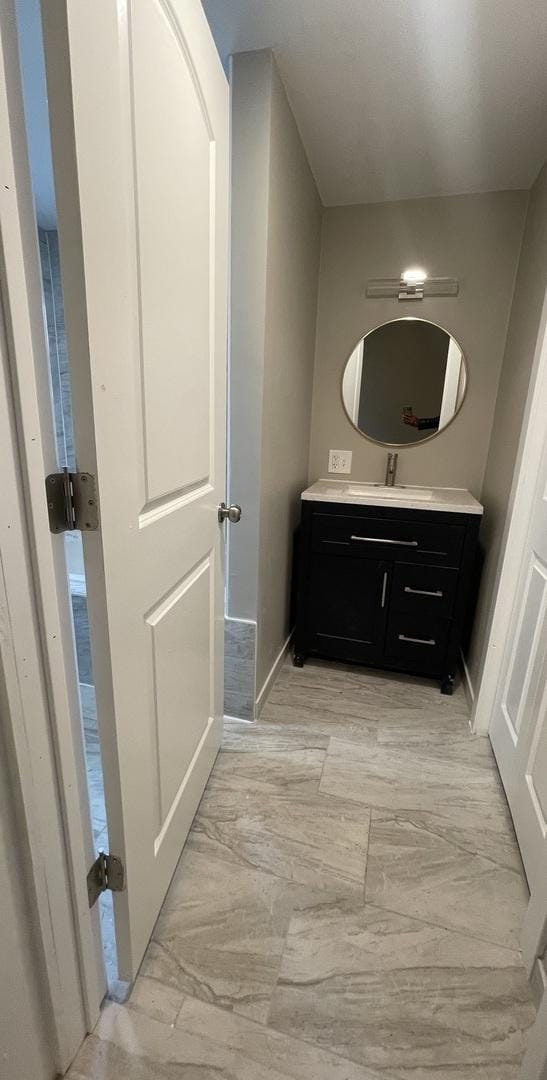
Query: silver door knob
{"points": [[231, 513]]}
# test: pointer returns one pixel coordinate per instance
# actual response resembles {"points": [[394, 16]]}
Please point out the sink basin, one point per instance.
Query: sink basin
{"points": [[398, 491]]}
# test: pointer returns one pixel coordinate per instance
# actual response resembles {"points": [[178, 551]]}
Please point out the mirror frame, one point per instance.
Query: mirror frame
{"points": [[427, 438]]}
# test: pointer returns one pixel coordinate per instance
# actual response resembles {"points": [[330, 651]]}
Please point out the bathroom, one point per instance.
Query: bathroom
{"points": [[314, 284], [312, 734], [286, 372]]}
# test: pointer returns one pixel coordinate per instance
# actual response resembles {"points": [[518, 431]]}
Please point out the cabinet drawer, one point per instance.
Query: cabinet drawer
{"points": [[366, 538], [417, 643], [424, 589]]}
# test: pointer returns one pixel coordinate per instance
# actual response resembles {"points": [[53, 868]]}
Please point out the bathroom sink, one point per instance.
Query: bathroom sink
{"points": [[374, 493], [398, 491]]}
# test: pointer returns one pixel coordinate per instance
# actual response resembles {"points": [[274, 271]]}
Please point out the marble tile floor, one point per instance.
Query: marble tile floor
{"points": [[347, 906]]}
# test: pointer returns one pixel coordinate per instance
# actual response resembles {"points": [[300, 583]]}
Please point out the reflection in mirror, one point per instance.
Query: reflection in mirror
{"points": [[404, 381]]}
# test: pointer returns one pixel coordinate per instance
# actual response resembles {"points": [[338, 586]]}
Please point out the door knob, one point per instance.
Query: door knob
{"points": [[231, 513]]}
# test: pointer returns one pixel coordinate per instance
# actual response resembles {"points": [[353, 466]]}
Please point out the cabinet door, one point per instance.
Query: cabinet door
{"points": [[347, 607]]}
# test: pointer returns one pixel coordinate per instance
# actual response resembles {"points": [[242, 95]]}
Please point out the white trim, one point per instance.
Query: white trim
{"points": [[270, 678], [534, 1064], [237, 719], [76, 965], [27, 728], [533, 940], [518, 521], [467, 684]]}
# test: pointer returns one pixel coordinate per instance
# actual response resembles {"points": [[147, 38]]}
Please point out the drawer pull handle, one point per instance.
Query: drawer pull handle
{"points": [[417, 640], [384, 587], [423, 592], [383, 540]]}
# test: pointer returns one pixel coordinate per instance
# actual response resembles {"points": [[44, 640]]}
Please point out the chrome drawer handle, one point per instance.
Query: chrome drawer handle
{"points": [[423, 592], [417, 640], [384, 587], [382, 540]]}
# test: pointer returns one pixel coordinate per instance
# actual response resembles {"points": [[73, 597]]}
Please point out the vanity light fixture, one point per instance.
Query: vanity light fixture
{"points": [[413, 284]]}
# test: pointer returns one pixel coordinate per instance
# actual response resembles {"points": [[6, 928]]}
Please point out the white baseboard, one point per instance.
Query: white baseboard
{"points": [[270, 678], [467, 684]]}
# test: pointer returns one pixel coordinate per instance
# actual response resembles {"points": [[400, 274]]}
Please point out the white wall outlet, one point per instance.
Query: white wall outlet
{"points": [[340, 461]]}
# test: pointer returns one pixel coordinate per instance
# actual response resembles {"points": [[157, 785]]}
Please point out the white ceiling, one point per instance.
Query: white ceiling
{"points": [[398, 99]]}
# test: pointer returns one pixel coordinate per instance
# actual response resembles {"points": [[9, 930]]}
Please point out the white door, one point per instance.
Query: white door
{"points": [[145, 169], [519, 724]]}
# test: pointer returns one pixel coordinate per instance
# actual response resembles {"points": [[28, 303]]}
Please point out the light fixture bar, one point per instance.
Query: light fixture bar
{"points": [[416, 290]]}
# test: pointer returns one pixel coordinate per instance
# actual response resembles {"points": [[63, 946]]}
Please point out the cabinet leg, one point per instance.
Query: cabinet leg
{"points": [[447, 685], [298, 660]]}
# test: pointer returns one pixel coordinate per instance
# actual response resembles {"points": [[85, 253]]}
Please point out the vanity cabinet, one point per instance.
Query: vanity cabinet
{"points": [[385, 586]]}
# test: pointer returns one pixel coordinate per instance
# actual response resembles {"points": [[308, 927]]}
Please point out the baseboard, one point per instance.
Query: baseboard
{"points": [[77, 585], [467, 684], [270, 678], [239, 668]]}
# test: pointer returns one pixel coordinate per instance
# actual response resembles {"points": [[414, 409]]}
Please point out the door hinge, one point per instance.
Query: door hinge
{"points": [[107, 872], [72, 501]]}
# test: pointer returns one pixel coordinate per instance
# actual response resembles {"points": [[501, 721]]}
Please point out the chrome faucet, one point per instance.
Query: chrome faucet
{"points": [[391, 469]]}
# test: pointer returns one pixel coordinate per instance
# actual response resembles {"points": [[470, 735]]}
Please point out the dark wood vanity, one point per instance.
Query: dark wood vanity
{"points": [[383, 585]]}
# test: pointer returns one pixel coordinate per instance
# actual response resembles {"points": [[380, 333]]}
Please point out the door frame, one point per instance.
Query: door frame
{"points": [[521, 505], [520, 508], [45, 721]]}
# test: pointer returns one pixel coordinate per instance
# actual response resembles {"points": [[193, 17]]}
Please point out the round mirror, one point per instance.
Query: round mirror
{"points": [[404, 381]]}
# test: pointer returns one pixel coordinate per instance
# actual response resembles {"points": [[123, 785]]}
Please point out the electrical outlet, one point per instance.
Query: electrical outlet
{"points": [[340, 461]]}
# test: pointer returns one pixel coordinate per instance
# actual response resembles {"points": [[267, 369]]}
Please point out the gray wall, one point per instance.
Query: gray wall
{"points": [[56, 336], [33, 75], [513, 389], [276, 226], [294, 230], [250, 80], [475, 238]]}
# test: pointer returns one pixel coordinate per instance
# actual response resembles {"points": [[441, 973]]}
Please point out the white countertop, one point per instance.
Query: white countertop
{"points": [[404, 496]]}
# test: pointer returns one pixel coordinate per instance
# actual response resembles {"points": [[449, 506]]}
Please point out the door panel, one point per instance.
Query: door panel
{"points": [[174, 168], [147, 338], [519, 729], [181, 661], [536, 772], [525, 645]]}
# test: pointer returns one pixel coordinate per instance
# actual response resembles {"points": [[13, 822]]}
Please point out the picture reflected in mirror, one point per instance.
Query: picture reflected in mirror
{"points": [[404, 381]]}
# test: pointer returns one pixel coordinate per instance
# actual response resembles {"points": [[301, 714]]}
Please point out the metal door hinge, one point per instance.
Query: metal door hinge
{"points": [[72, 501], [107, 872]]}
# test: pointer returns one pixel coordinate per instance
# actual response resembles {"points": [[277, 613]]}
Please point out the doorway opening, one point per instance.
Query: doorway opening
{"points": [[31, 51]]}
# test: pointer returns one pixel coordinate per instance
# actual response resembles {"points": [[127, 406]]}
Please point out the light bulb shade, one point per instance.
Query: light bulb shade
{"points": [[414, 276]]}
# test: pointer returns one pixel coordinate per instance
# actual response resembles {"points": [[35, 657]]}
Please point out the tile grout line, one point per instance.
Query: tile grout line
{"points": [[440, 926]]}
